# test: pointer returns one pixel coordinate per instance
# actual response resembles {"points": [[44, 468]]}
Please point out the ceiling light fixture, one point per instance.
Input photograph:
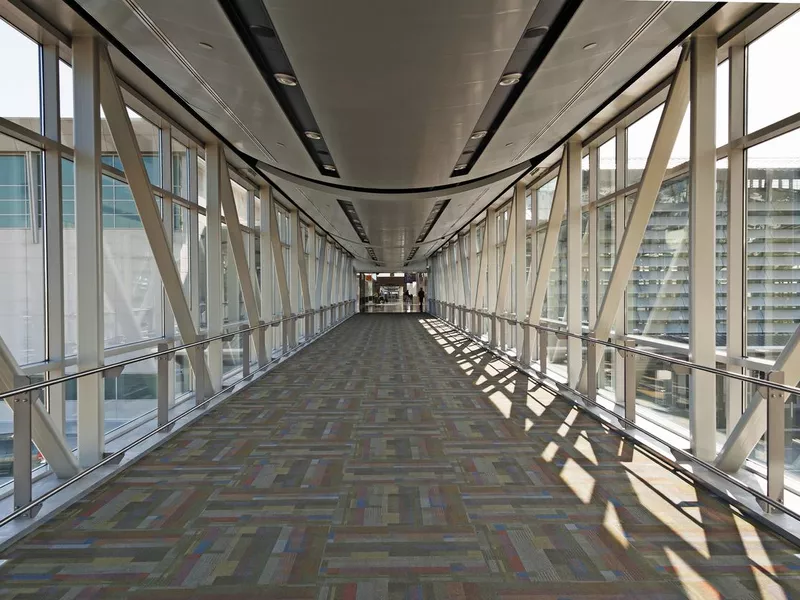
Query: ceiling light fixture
{"points": [[535, 32], [313, 135], [590, 46], [510, 79], [286, 79], [329, 167], [205, 46], [461, 167], [478, 135]]}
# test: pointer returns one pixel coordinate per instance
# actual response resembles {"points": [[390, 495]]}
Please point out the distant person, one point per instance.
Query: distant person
{"points": [[421, 295]]}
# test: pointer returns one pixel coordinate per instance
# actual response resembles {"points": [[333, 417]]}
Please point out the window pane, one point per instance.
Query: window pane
{"points": [[201, 181], [607, 168], [658, 292], [556, 299], [773, 244], [130, 395], [240, 198], [180, 169], [722, 252], [203, 274], [585, 179], [585, 268], [770, 96], [723, 89], [606, 248], [21, 251], [640, 138], [233, 304], [19, 70], [131, 282], [544, 200], [180, 246], [66, 103]]}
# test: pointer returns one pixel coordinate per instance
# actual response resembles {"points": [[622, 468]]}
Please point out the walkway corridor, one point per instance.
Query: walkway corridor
{"points": [[395, 459]]}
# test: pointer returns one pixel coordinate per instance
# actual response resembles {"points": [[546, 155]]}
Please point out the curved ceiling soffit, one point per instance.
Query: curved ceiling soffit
{"points": [[359, 193]]}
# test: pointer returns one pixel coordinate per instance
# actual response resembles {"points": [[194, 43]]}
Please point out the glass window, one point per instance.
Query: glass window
{"points": [[240, 197], [585, 179], [606, 248], [233, 304], [180, 246], [201, 181], [607, 168], [658, 292], [21, 251], [639, 138], [723, 91], [19, 70], [131, 282], [773, 244], [771, 92], [585, 268], [556, 300], [722, 252], [66, 102], [544, 200], [180, 169], [203, 274]]}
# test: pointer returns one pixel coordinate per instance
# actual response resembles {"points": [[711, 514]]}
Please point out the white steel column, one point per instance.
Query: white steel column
{"points": [[491, 262], [574, 260], [216, 169], [267, 267], [620, 319], [277, 255], [319, 322], [736, 233], [653, 176], [519, 226], [702, 243], [54, 239], [295, 250], [89, 234], [474, 269]]}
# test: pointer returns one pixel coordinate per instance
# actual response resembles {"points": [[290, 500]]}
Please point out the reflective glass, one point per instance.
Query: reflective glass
{"points": [[658, 291], [606, 248], [240, 197], [544, 200], [773, 244], [556, 300], [585, 179], [772, 92], [19, 70], [607, 168], [132, 394], [639, 137], [180, 169], [22, 322], [203, 274]]}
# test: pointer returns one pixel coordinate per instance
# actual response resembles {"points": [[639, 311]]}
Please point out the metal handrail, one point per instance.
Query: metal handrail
{"points": [[123, 363], [690, 457], [789, 389], [18, 512]]}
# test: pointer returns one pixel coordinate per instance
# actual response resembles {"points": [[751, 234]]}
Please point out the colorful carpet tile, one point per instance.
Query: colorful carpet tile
{"points": [[394, 459]]}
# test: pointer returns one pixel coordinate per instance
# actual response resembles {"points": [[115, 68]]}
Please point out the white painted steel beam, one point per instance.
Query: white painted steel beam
{"points": [[237, 249], [216, 170], [519, 227], [702, 246], [125, 140], [548, 254], [277, 255], [652, 177], [267, 267]]}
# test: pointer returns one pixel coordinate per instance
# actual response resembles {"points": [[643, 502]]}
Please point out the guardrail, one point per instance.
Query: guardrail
{"points": [[23, 397], [772, 389]]}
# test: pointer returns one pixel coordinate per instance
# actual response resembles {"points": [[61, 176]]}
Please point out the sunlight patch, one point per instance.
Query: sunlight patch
{"points": [[584, 446], [502, 403], [578, 480], [550, 451], [528, 424], [481, 379], [693, 583], [613, 525]]}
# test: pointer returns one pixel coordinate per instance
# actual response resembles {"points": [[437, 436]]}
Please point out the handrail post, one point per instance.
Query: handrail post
{"points": [[542, 351], [244, 341], [23, 464], [591, 373], [525, 347], [199, 374], [776, 439], [629, 365], [163, 364], [261, 348]]}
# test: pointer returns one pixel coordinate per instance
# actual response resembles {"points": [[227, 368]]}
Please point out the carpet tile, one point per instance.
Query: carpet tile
{"points": [[394, 459]]}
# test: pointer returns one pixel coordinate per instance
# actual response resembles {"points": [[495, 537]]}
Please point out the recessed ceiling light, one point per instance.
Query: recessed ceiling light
{"points": [[205, 46], [329, 167], [313, 135], [510, 79], [590, 46], [263, 31], [535, 32], [285, 79], [477, 135], [461, 167]]}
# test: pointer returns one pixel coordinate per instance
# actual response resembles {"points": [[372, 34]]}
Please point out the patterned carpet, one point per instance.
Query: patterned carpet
{"points": [[395, 460]]}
